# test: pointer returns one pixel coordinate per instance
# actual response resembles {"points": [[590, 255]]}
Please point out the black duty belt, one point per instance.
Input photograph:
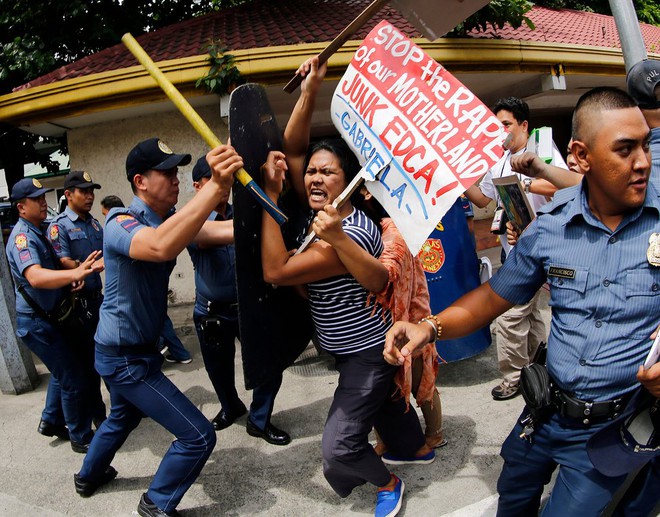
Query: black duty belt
{"points": [[589, 412], [221, 307], [120, 350], [90, 295]]}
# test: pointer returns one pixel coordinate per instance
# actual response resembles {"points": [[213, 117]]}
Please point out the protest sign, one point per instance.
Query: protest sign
{"points": [[396, 105]]}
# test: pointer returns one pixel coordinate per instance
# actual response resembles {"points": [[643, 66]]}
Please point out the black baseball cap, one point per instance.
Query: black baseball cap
{"points": [[28, 187], [201, 169], [642, 80], [629, 441], [153, 154], [79, 179]]}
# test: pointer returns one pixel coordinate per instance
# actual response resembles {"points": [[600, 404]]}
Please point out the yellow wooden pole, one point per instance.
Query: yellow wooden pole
{"points": [[198, 123]]}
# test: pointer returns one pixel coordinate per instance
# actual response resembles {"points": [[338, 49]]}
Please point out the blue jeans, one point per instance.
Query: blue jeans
{"points": [[137, 388], [67, 398], [219, 364], [579, 489]]}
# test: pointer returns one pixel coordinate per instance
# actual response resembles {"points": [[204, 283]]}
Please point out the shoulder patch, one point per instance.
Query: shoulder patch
{"points": [[95, 225], [24, 256], [127, 222], [21, 241], [54, 232]]}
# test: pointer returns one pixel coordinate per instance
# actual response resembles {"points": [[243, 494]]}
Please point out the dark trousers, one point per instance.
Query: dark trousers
{"points": [[88, 308], [643, 496], [579, 489], [67, 399], [363, 400], [138, 387], [219, 363]]}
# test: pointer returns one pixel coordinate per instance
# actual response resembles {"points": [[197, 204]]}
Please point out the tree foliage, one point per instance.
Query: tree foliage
{"points": [[495, 15], [37, 37]]}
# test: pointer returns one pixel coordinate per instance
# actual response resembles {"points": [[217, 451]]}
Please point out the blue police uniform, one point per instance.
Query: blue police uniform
{"points": [[67, 400], [216, 299], [605, 298], [75, 238], [131, 319], [642, 495]]}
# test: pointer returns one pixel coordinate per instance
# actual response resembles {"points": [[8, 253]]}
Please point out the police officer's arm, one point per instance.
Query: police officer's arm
{"points": [[296, 134], [531, 165], [170, 238], [215, 233], [469, 313], [474, 194], [42, 278], [68, 263], [317, 262], [362, 265]]}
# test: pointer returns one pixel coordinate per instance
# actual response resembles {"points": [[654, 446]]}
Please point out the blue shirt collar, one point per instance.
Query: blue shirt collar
{"points": [[138, 206], [71, 214], [31, 226], [580, 206]]}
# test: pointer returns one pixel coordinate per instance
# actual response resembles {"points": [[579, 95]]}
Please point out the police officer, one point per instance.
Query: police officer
{"points": [[40, 287], [141, 244], [74, 234], [597, 244], [216, 321]]}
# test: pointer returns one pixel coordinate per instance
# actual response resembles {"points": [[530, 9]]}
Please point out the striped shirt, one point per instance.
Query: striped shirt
{"points": [[605, 296], [135, 303], [344, 324]]}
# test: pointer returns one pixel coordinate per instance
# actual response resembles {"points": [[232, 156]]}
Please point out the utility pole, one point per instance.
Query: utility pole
{"points": [[17, 372], [627, 25]]}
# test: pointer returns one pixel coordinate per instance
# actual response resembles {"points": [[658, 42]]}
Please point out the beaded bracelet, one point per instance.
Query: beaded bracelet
{"points": [[432, 320]]}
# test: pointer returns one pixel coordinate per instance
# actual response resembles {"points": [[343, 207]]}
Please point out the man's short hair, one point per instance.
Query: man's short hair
{"points": [[109, 202], [598, 99], [516, 106]]}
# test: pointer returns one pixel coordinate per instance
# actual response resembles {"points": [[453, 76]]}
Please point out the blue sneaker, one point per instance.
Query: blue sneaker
{"points": [[391, 459], [388, 502]]}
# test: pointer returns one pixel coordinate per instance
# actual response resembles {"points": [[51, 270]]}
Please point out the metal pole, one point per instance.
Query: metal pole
{"points": [[632, 43]]}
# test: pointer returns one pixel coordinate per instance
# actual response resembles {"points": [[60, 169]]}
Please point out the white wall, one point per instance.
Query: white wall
{"points": [[101, 150]]}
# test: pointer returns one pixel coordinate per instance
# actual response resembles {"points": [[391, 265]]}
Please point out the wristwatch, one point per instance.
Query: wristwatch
{"points": [[527, 182]]}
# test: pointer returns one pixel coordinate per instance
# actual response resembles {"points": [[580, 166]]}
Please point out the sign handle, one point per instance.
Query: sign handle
{"points": [[198, 124]]}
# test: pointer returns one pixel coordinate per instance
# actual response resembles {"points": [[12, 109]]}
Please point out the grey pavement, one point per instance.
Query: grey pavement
{"points": [[247, 476]]}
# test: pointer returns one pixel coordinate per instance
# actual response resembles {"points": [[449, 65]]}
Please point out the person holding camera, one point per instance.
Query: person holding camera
{"points": [[216, 322], [521, 329], [42, 302]]}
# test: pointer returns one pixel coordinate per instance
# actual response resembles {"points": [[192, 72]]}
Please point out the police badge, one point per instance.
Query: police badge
{"points": [[653, 253]]}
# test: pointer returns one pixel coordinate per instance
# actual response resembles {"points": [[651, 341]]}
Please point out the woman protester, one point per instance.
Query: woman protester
{"points": [[347, 328]]}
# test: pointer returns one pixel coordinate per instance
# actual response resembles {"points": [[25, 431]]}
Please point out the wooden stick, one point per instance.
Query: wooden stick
{"points": [[198, 124], [343, 37]]}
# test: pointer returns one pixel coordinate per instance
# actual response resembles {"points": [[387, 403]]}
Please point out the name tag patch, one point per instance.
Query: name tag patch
{"points": [[561, 272]]}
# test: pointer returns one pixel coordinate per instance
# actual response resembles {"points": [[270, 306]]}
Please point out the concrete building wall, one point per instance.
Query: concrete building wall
{"points": [[101, 150]]}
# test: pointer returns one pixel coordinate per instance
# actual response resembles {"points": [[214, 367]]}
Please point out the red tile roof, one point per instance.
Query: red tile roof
{"points": [[263, 24]]}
